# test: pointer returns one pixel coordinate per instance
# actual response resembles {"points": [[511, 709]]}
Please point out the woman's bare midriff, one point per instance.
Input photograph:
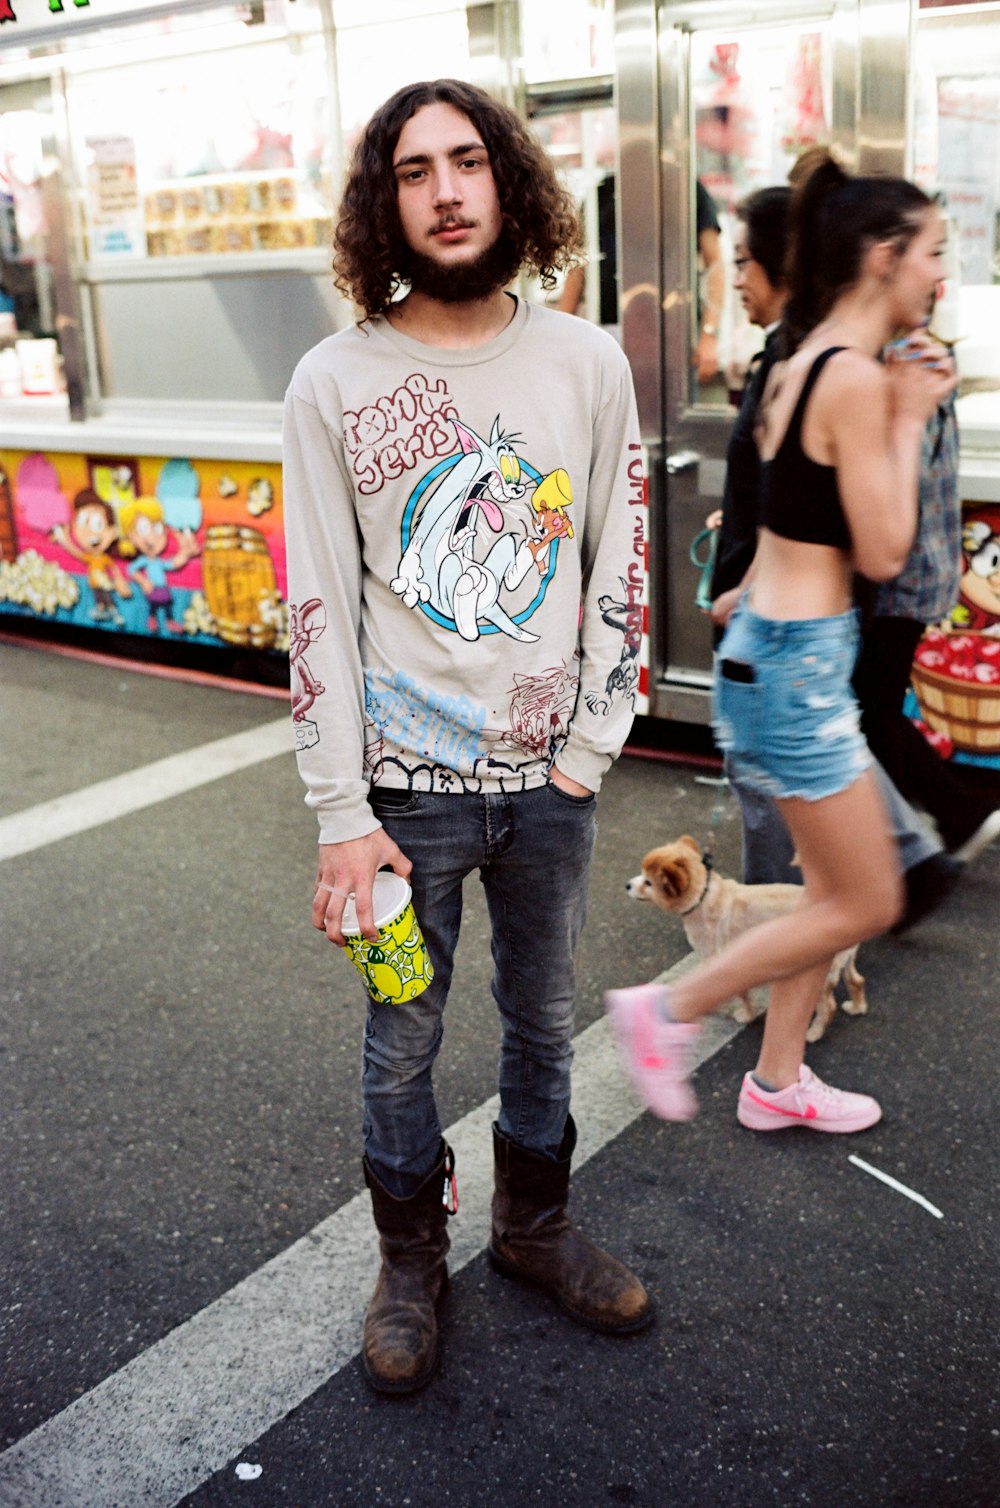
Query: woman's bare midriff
{"points": [[796, 580]]}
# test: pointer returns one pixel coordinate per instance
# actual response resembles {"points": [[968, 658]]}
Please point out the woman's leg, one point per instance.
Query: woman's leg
{"points": [[829, 866], [790, 1008], [852, 891]]}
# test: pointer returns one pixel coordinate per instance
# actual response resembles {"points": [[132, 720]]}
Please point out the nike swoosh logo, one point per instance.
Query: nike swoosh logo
{"points": [[808, 1114]]}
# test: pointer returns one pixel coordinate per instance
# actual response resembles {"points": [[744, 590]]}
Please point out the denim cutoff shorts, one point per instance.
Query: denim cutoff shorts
{"points": [[782, 705]]}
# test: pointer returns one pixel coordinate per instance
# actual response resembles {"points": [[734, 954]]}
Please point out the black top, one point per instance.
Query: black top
{"points": [[798, 497], [741, 493], [705, 217]]}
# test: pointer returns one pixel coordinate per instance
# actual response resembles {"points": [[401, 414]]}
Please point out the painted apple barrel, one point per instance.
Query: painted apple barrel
{"points": [[957, 683]]}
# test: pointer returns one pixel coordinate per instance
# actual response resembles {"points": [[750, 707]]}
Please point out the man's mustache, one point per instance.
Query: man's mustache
{"points": [[453, 223]]}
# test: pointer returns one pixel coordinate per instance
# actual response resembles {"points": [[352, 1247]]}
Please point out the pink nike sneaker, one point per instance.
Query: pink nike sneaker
{"points": [[809, 1103], [657, 1052]]}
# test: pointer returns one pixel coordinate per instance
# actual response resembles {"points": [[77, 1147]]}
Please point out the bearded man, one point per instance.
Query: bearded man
{"points": [[463, 488]]}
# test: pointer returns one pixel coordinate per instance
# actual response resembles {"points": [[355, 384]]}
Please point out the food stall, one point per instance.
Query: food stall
{"points": [[168, 173]]}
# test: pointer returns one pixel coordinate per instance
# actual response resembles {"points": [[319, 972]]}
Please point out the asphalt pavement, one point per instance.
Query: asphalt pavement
{"points": [[185, 1245]]}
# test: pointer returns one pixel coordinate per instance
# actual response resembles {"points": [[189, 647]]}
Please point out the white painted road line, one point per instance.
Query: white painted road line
{"points": [[123, 794], [153, 1432], [894, 1183]]}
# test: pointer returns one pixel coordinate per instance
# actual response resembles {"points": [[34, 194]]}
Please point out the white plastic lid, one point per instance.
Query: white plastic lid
{"points": [[390, 894]]}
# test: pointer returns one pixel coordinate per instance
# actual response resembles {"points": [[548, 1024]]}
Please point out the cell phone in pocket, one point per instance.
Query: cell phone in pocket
{"points": [[737, 670]]}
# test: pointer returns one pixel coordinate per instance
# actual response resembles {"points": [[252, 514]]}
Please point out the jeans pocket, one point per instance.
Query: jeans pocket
{"points": [[736, 713], [393, 801], [568, 796]]}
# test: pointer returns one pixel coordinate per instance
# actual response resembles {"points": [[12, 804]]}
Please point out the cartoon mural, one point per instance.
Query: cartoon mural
{"points": [[956, 669], [168, 546]]}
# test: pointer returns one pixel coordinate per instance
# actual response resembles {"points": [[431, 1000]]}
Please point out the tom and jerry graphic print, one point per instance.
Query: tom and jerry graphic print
{"points": [[465, 548]]}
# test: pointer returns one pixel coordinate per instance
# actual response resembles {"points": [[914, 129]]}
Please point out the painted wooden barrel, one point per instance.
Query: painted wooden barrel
{"points": [[239, 580]]}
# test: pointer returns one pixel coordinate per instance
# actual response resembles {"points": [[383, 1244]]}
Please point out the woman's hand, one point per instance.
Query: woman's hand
{"points": [[921, 374], [724, 605]]}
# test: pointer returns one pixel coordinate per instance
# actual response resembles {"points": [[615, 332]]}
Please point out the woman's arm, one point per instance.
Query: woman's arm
{"points": [[875, 419]]}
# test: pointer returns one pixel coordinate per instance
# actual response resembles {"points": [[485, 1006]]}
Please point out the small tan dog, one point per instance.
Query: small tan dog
{"points": [[715, 909]]}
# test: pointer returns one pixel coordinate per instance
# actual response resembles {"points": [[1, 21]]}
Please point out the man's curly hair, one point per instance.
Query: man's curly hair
{"points": [[540, 222]]}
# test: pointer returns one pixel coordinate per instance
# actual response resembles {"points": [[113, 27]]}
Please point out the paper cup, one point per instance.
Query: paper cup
{"points": [[396, 967]]}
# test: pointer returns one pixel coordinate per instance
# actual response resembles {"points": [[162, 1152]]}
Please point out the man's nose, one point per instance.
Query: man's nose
{"points": [[446, 186]]}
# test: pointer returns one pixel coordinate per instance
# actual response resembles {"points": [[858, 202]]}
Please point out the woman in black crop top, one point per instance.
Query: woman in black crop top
{"points": [[839, 440]]}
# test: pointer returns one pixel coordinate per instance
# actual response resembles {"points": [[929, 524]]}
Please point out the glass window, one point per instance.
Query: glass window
{"points": [[956, 152], [379, 50], [26, 298], [226, 151], [567, 39], [581, 143], [759, 97]]}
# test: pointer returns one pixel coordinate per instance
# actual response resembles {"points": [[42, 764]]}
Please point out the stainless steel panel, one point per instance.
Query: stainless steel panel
{"points": [[640, 206], [223, 338], [883, 83], [844, 100]]}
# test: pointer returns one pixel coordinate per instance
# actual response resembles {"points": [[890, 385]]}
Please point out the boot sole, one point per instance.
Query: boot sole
{"points": [[397, 1389], [508, 1270]]}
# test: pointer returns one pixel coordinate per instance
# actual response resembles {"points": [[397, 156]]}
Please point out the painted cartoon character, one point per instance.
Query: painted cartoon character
{"points": [[146, 537], [626, 616], [439, 566], [550, 500], [91, 537], [306, 625], [979, 588]]}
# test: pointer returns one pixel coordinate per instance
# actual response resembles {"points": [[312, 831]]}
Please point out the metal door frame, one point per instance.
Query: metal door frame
{"points": [[870, 114]]}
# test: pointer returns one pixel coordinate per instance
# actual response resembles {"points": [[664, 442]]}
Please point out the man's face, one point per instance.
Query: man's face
{"points": [[448, 206]]}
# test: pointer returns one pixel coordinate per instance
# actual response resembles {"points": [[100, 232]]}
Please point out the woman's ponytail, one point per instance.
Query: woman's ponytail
{"points": [[816, 179], [834, 218]]}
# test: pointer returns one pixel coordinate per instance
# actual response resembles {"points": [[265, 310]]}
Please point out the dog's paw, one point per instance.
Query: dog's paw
{"points": [[744, 1011], [816, 1030], [855, 1007]]}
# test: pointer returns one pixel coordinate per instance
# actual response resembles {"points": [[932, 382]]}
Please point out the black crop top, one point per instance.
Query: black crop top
{"points": [[798, 497]]}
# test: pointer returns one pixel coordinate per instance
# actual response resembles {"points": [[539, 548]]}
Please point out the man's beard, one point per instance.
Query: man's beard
{"points": [[463, 282]]}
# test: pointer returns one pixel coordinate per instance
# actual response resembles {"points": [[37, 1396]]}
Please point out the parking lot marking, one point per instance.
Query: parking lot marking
{"points": [[65, 816], [181, 1411]]}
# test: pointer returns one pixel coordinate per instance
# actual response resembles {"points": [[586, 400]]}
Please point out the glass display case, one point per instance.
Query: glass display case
{"points": [[955, 151]]}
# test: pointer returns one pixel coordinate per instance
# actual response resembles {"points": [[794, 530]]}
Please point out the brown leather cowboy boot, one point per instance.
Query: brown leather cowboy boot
{"points": [[535, 1241], [399, 1352]]}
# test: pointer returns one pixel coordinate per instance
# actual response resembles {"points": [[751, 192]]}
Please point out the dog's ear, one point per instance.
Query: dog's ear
{"points": [[668, 876], [689, 842]]}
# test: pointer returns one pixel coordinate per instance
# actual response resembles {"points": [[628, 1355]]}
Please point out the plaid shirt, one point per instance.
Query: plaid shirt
{"points": [[926, 589]]}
